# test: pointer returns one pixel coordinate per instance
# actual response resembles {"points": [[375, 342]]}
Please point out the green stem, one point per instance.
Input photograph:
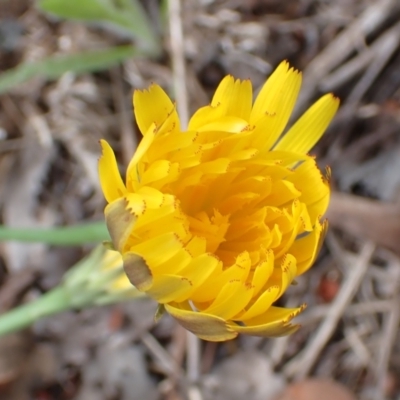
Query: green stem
{"points": [[90, 232], [52, 302]]}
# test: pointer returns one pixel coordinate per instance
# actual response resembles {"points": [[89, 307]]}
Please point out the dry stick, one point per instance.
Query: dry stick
{"points": [[178, 60], [279, 349], [388, 339], [384, 53], [342, 46], [303, 363], [193, 361], [347, 71], [166, 360], [179, 77], [357, 346], [353, 310]]}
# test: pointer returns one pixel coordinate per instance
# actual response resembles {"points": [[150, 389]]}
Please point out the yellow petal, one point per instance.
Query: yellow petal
{"points": [[235, 96], [306, 249], [152, 106], [225, 124], [239, 271], [197, 246], [219, 166], [284, 274], [110, 179], [153, 198], [262, 304], [282, 192], [315, 189], [303, 135], [175, 264], [135, 204], [244, 154], [263, 272], [120, 223], [197, 272], [298, 224], [159, 249], [200, 268], [232, 299], [159, 171], [172, 144], [141, 151], [167, 288], [274, 104], [152, 216], [274, 323], [232, 98], [204, 326], [147, 152]]}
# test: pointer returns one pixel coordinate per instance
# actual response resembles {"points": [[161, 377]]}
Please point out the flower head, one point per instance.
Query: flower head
{"points": [[215, 222]]}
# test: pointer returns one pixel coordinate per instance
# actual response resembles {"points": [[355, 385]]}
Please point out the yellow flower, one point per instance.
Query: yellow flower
{"points": [[215, 222]]}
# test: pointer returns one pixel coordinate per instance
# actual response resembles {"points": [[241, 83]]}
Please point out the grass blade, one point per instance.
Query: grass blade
{"points": [[127, 15], [92, 232], [54, 67]]}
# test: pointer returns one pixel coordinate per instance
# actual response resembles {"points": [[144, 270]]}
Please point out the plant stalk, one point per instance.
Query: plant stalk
{"points": [[50, 303]]}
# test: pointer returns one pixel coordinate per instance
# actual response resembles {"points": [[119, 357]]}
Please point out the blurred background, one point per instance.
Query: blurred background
{"points": [[67, 72]]}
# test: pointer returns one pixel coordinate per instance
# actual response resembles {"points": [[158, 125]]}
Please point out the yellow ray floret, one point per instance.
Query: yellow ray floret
{"points": [[216, 222]]}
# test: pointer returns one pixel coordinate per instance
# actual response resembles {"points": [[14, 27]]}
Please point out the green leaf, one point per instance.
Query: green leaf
{"points": [[54, 67], [92, 232], [127, 15], [89, 10]]}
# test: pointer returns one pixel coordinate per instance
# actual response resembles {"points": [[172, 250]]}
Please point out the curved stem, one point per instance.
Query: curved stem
{"points": [[52, 302]]}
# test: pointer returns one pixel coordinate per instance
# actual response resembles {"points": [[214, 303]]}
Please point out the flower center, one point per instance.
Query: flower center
{"points": [[213, 228], [244, 212]]}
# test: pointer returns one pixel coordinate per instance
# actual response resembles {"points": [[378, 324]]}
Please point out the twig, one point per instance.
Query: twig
{"points": [[278, 349], [353, 310], [357, 345], [390, 331], [165, 359], [346, 72], [383, 54], [193, 361], [178, 60], [193, 366], [342, 46], [303, 363]]}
